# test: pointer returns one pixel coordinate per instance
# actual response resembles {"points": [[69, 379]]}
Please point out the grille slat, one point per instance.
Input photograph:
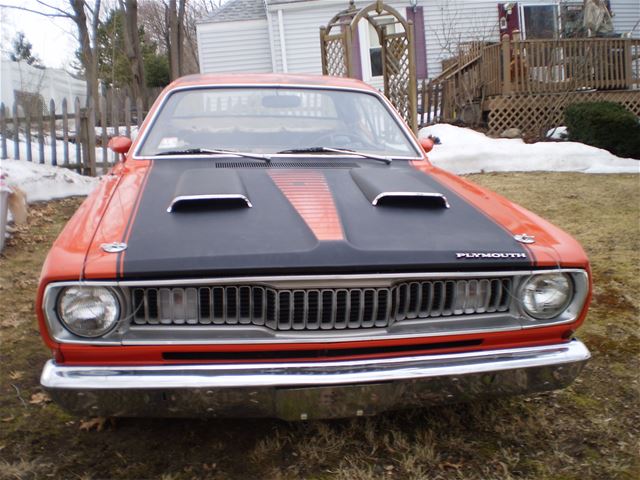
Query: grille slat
{"points": [[427, 299], [370, 307], [319, 309]]}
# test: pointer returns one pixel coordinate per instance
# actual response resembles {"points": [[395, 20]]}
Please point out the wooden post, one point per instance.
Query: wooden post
{"points": [[413, 88], [444, 114], [139, 112], [65, 133], [423, 103], [628, 62], [16, 133], [27, 132], [428, 101], [52, 132], [3, 132], [104, 138], [40, 127], [127, 115], [115, 122], [323, 50], [78, 129], [506, 65], [347, 39], [91, 138], [81, 140]]}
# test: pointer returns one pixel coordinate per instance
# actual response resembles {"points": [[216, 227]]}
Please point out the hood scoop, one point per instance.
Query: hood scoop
{"points": [[397, 189], [205, 189]]}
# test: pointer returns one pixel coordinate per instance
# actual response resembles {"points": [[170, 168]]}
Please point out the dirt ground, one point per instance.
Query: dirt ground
{"points": [[588, 431]]}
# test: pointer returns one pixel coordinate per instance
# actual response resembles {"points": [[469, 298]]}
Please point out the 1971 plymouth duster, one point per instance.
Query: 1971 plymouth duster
{"points": [[280, 246]]}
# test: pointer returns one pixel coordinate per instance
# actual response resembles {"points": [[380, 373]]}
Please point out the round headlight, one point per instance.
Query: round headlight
{"points": [[547, 295], [88, 311]]}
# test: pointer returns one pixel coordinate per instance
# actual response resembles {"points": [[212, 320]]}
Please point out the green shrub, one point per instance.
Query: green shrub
{"points": [[605, 125]]}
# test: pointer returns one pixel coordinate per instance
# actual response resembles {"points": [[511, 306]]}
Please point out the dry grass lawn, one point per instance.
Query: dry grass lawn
{"points": [[588, 431]]}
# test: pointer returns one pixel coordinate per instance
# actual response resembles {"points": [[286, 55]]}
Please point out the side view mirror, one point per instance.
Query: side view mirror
{"points": [[426, 144], [120, 145]]}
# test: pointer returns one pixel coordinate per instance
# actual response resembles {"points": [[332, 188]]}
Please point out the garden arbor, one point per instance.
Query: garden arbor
{"points": [[340, 49]]}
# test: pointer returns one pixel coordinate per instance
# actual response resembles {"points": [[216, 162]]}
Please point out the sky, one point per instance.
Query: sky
{"points": [[52, 38]]}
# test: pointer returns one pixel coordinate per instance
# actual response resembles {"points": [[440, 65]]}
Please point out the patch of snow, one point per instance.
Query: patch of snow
{"points": [[48, 151], [45, 182], [466, 151], [558, 133]]}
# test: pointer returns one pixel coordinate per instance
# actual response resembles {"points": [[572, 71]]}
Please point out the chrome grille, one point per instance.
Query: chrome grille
{"points": [[319, 309]]}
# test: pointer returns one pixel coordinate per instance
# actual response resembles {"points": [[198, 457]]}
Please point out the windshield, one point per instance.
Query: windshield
{"points": [[276, 119]]}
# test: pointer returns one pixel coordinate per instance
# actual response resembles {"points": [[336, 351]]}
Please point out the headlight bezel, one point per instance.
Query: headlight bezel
{"points": [[59, 332], [74, 330], [579, 281]]}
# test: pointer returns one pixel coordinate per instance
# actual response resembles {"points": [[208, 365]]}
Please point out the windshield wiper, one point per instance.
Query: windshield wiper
{"points": [[345, 151], [206, 151]]}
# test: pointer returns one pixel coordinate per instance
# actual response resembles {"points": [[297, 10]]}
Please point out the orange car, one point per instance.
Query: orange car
{"points": [[280, 246]]}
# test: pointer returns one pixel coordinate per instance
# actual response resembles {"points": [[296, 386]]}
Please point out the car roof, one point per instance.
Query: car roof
{"points": [[269, 79]]}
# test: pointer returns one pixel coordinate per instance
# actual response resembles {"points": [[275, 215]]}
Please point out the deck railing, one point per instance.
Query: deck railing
{"points": [[530, 66], [547, 66]]}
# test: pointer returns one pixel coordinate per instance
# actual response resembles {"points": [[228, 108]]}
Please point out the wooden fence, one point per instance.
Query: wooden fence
{"points": [[71, 136]]}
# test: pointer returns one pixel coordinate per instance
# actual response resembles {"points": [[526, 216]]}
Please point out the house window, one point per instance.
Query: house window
{"points": [[375, 49], [540, 21]]}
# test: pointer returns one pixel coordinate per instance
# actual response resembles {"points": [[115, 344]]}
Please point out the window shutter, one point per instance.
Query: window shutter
{"points": [[417, 17]]}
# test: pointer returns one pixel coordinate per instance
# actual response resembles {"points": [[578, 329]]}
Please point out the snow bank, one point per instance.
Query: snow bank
{"points": [[466, 151], [45, 182], [47, 158]]}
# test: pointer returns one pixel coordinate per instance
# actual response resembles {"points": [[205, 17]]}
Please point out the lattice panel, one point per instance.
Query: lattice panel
{"points": [[336, 57], [397, 72], [534, 113]]}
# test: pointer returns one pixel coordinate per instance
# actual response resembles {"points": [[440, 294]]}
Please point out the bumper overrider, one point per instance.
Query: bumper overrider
{"points": [[311, 390]]}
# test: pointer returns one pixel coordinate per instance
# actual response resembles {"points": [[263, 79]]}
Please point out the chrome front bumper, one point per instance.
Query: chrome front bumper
{"points": [[294, 391]]}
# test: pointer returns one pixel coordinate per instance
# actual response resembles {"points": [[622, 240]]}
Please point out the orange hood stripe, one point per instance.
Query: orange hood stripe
{"points": [[310, 196]]}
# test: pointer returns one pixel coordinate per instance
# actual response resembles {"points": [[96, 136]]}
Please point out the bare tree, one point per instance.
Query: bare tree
{"points": [[165, 26], [175, 17], [132, 48], [152, 19], [86, 16], [87, 43]]}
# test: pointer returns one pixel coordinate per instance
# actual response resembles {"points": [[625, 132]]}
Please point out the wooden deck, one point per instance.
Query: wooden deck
{"points": [[527, 83]]}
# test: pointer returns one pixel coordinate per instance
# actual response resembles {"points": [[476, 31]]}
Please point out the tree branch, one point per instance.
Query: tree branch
{"points": [[59, 10], [96, 18], [44, 14]]}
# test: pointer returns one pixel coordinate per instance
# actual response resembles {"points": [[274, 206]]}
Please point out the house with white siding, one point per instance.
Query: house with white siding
{"points": [[282, 36]]}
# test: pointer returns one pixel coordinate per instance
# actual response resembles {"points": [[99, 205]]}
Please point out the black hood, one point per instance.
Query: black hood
{"points": [[268, 235]]}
